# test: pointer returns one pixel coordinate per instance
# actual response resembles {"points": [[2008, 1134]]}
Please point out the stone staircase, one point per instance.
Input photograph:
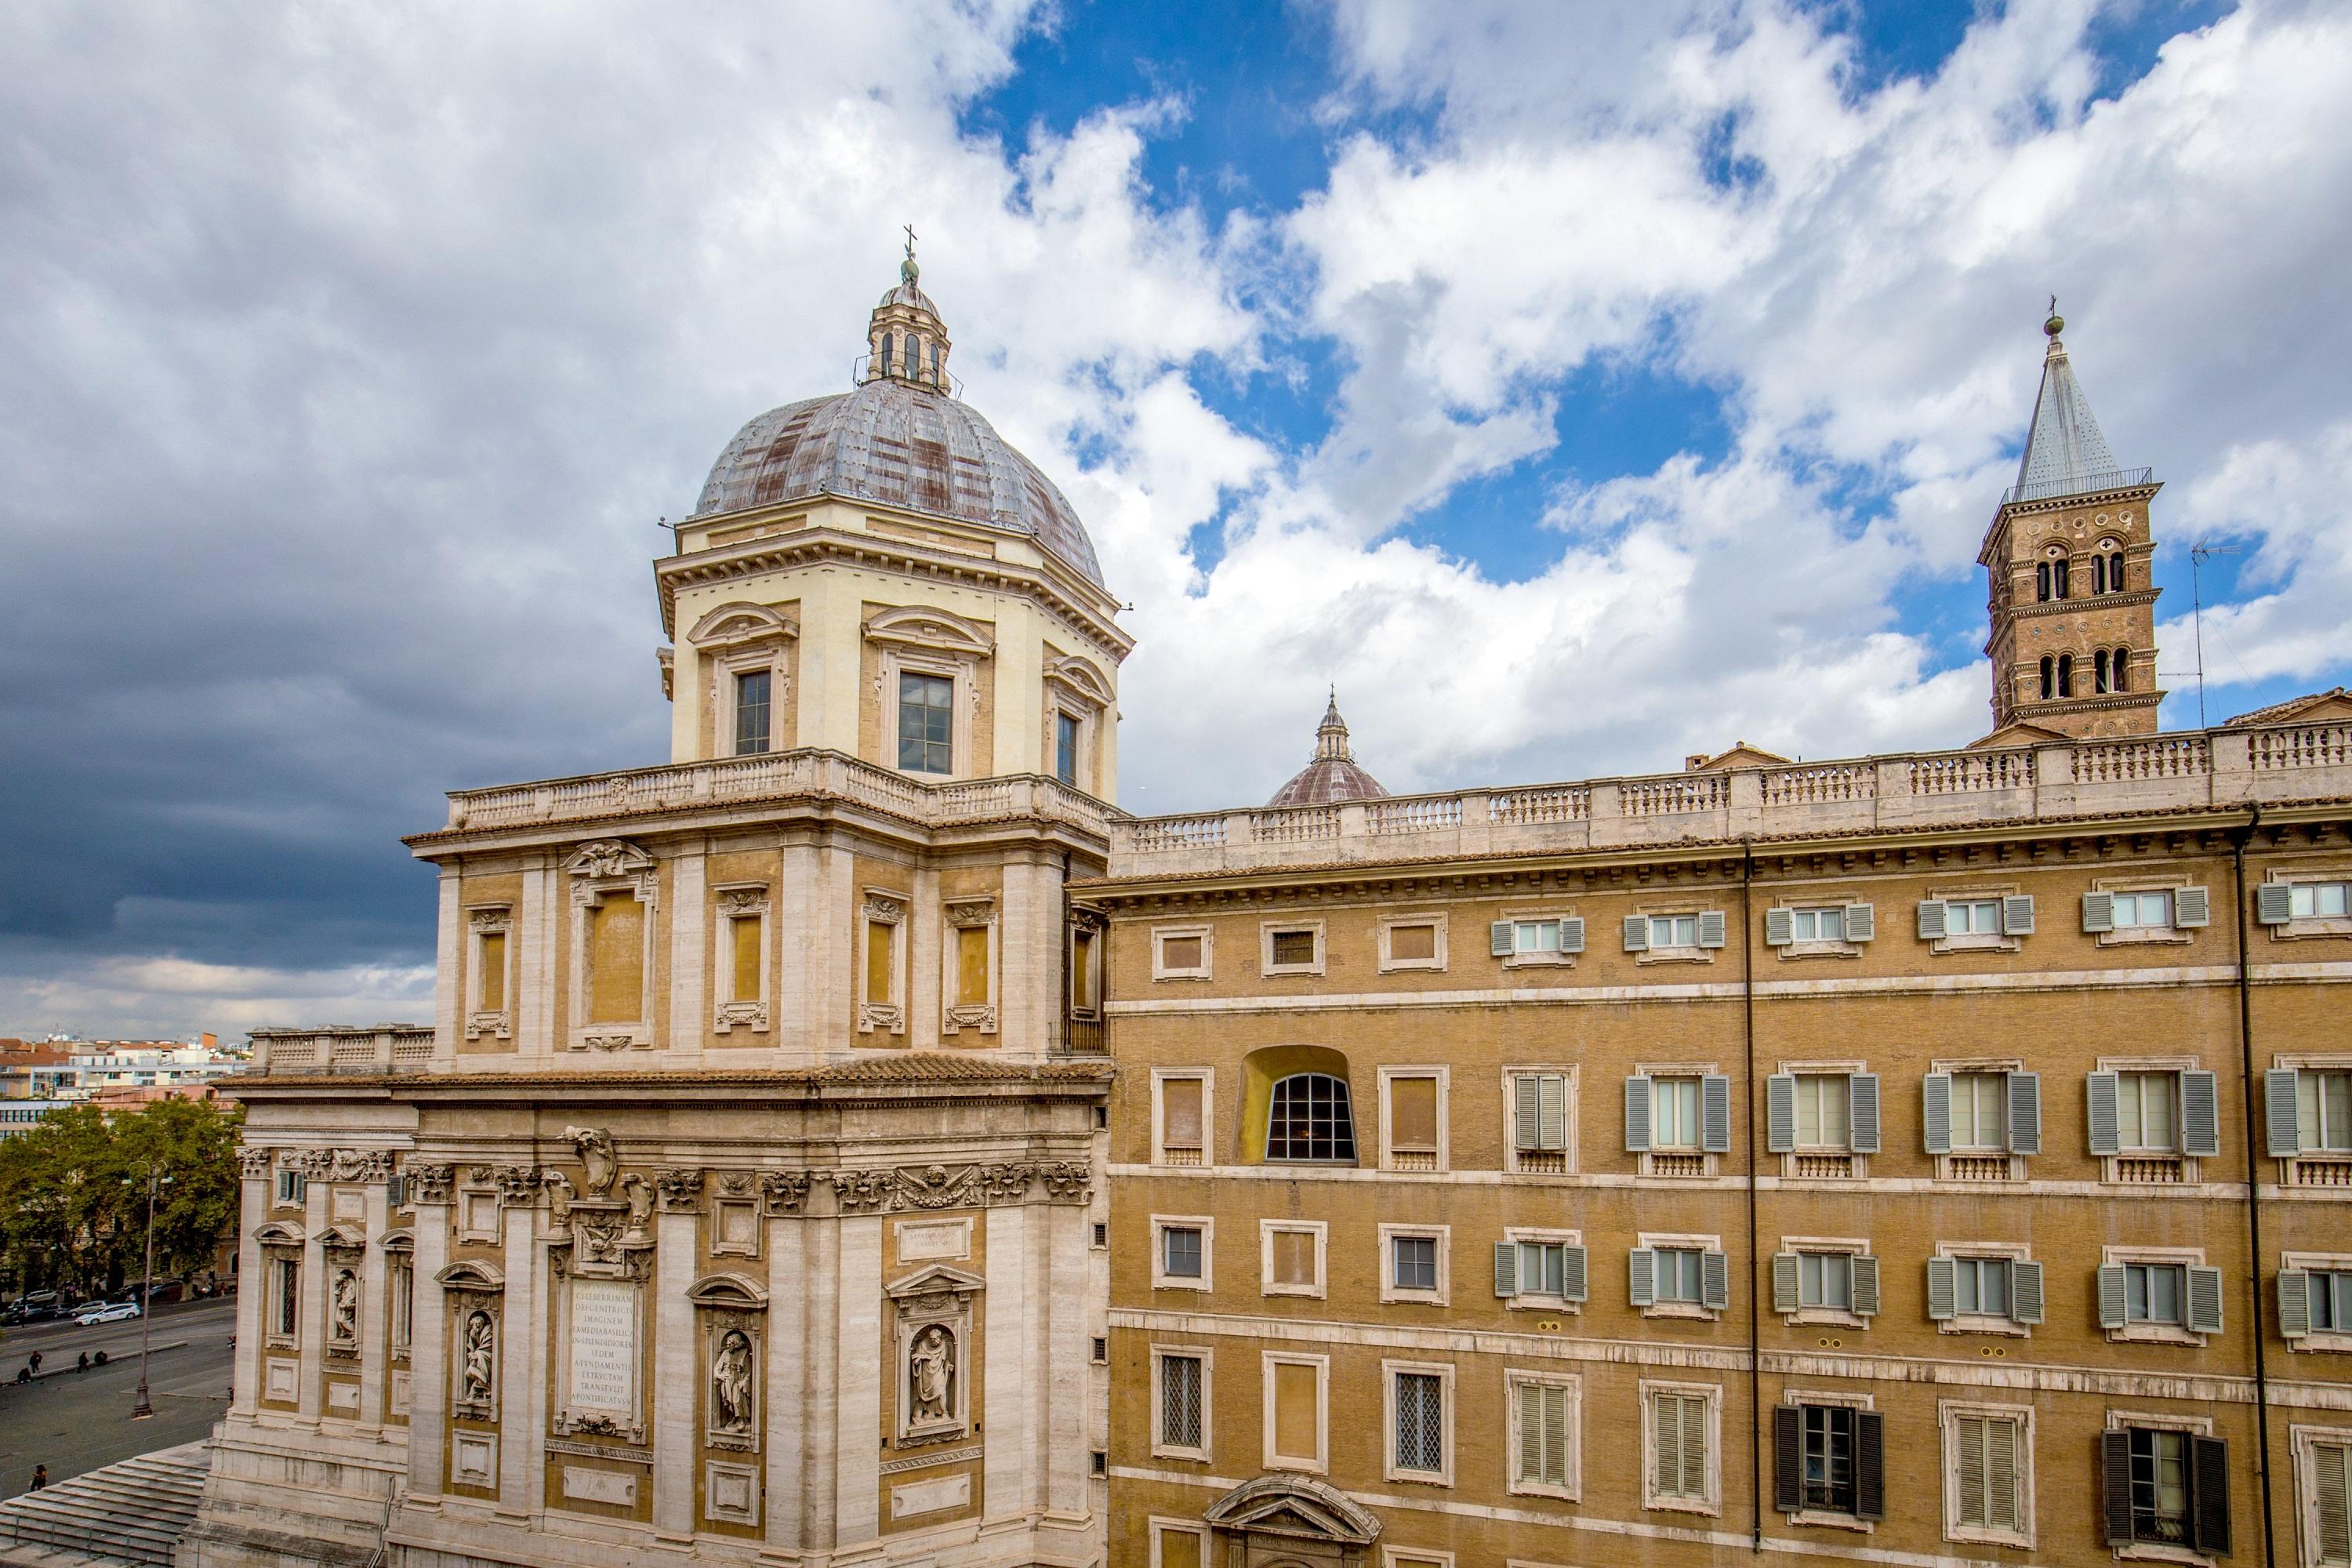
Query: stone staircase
{"points": [[134, 1512]]}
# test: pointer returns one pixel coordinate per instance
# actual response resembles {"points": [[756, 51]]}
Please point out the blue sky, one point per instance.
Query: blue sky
{"points": [[1574, 387]]}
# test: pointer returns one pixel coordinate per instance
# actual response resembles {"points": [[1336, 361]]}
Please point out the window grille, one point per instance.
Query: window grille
{"points": [[1420, 1422], [1310, 1119], [1180, 1402]]}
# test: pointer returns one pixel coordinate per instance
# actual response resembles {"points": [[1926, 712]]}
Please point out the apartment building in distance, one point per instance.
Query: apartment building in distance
{"points": [[857, 1142]]}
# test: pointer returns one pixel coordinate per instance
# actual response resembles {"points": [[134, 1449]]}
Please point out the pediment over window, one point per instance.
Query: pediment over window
{"points": [[916, 626], [1080, 678], [1296, 1506], [742, 624], [608, 858], [732, 1292], [402, 1240], [472, 1275], [279, 1233], [343, 1235]]}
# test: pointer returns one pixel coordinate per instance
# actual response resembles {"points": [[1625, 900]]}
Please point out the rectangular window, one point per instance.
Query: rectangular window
{"points": [[1984, 1458], [1678, 1429], [492, 956], [971, 965], [1543, 1269], [881, 950], [1180, 1247], [290, 1297], [1980, 1287], [2330, 1295], [1415, 1262], [1181, 1383], [1546, 1436], [292, 1185], [1082, 972], [1179, 1547], [1979, 1110], [1540, 1120], [1413, 943], [1296, 1421], [1536, 936], [1182, 954], [1181, 1124], [616, 959], [1827, 1434], [2323, 1109], [1675, 1106], [2154, 1292], [1679, 1273], [751, 712], [746, 930], [2148, 910], [1816, 925], [2331, 1503], [2320, 900], [2143, 1110], [1066, 749], [1412, 1122], [1674, 930], [404, 1305], [1291, 949], [1825, 1280], [1421, 1422], [1290, 1261], [1822, 1110], [1972, 917], [2160, 1486], [925, 723]]}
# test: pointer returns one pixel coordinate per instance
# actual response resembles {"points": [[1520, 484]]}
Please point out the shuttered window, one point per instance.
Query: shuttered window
{"points": [[2331, 1503], [1539, 1120], [2323, 1109], [1675, 1113], [1826, 1453], [1181, 1119], [1821, 1110], [1978, 1110], [1678, 1427], [2144, 1110], [2160, 1486], [1412, 1116], [1985, 1463], [1545, 1441]]}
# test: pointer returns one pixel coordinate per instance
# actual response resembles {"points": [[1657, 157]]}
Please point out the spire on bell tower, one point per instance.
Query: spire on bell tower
{"points": [[2072, 600]]}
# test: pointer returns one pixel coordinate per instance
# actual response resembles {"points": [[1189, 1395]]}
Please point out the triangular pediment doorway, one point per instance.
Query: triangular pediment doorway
{"points": [[1285, 1520]]}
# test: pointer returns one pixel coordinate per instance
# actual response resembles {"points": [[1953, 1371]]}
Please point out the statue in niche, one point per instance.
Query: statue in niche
{"points": [[731, 1383], [480, 1353], [931, 1374], [603, 1161], [346, 1303]]}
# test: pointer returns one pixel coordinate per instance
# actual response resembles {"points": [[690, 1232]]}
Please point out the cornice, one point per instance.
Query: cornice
{"points": [[902, 1078], [816, 544], [2040, 607]]}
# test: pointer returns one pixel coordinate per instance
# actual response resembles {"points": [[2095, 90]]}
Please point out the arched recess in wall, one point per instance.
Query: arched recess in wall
{"points": [[1264, 1067]]}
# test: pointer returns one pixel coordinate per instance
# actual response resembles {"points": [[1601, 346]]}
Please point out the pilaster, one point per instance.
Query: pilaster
{"points": [[428, 1354], [927, 936], [789, 1396], [252, 1297], [689, 963], [676, 1375], [1006, 1390], [541, 918], [1065, 1371], [317, 1212], [375, 1320], [858, 1412], [449, 986], [522, 1367]]}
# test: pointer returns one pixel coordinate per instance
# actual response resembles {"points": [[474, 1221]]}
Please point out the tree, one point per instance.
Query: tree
{"points": [[73, 1194]]}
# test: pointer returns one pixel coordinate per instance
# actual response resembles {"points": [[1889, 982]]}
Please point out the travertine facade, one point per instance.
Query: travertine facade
{"points": [[857, 1142]]}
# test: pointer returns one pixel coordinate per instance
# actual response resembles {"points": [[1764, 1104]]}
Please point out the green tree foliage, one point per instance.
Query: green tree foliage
{"points": [[73, 1194]]}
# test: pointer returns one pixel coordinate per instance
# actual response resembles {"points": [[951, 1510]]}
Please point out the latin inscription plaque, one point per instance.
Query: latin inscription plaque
{"points": [[604, 1345]]}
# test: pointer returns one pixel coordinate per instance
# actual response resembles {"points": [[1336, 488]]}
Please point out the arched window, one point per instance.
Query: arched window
{"points": [[914, 358], [2114, 574], [2042, 582], [889, 343], [2058, 578], [936, 379], [2048, 678], [2098, 573], [2066, 675], [1309, 1119], [2099, 672], [2122, 663]]}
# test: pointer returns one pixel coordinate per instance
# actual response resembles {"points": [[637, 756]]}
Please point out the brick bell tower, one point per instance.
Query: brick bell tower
{"points": [[2072, 596]]}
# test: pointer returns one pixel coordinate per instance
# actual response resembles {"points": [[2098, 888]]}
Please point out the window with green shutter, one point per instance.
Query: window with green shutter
{"points": [[1546, 1449]]}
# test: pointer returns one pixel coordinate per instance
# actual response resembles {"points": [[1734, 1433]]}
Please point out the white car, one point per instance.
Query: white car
{"points": [[106, 1312]]}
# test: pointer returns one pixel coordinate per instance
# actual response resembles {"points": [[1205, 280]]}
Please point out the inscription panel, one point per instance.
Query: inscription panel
{"points": [[604, 1345]]}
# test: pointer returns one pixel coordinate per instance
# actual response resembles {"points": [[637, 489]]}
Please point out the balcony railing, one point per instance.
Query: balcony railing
{"points": [[2078, 484], [2210, 770], [777, 777], [343, 1049]]}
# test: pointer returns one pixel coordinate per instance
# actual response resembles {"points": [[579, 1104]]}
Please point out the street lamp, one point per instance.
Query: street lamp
{"points": [[143, 1410]]}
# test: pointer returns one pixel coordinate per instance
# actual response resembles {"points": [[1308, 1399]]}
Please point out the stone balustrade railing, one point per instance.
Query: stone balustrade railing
{"points": [[2197, 769], [342, 1048], [812, 775]]}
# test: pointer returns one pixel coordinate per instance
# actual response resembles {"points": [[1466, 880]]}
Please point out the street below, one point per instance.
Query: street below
{"points": [[76, 1421]]}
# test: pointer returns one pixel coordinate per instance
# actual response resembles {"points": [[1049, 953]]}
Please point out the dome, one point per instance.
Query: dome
{"points": [[1333, 776], [900, 439]]}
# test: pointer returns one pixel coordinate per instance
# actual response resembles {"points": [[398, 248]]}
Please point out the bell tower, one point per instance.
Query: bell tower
{"points": [[2071, 597]]}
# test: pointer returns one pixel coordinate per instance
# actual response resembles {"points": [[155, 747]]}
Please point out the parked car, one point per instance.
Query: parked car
{"points": [[106, 1312], [36, 1308]]}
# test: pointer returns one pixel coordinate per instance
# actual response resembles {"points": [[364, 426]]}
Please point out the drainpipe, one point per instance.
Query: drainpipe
{"points": [[2238, 840], [1748, 1030]]}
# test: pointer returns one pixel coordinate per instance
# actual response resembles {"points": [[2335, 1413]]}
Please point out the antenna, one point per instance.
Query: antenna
{"points": [[2198, 554]]}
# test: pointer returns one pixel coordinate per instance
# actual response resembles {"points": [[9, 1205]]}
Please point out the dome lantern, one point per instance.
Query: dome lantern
{"points": [[1333, 775], [905, 338]]}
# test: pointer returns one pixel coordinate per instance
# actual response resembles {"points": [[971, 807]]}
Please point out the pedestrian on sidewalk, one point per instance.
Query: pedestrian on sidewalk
{"points": [[34, 1359], [40, 1477], [83, 1365]]}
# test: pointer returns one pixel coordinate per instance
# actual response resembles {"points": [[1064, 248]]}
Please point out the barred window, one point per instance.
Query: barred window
{"points": [[1310, 1119], [1180, 1402], [1420, 1422]]}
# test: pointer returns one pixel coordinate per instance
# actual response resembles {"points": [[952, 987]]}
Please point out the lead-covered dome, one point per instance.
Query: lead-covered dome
{"points": [[1333, 776], [902, 441]]}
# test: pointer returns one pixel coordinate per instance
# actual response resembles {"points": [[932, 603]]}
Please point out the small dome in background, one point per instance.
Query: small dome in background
{"points": [[1333, 776]]}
